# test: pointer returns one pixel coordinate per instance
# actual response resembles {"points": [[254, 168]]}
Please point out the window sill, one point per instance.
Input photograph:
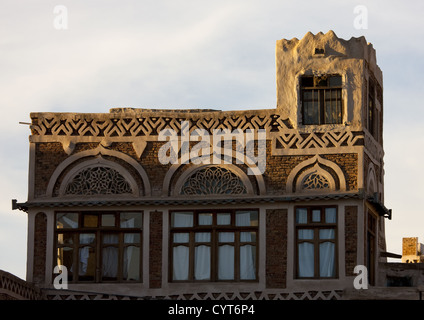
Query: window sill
{"points": [[220, 286]]}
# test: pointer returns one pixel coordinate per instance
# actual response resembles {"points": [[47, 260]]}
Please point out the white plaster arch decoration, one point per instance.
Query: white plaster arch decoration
{"points": [[99, 151], [372, 185], [173, 169], [315, 161], [243, 178], [315, 179], [99, 162]]}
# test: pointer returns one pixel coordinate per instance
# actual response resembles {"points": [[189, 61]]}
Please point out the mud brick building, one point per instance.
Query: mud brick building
{"points": [[412, 250], [291, 221]]}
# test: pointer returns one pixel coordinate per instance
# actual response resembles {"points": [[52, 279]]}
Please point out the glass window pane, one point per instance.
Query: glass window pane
{"points": [[307, 112], [87, 238], [226, 237], [226, 262], [65, 238], [246, 218], [205, 219], [305, 234], [334, 117], [326, 233], [202, 263], [223, 219], [65, 257], [316, 215], [202, 236], [305, 259], [327, 94], [110, 238], [316, 108], [338, 111], [109, 263], [321, 81], [108, 220], [130, 220], [307, 95], [182, 219], [247, 236], [247, 262], [87, 264], [131, 238], [90, 220], [335, 81], [327, 267], [131, 268], [330, 215], [307, 81], [67, 220], [181, 237], [301, 215], [180, 262]]}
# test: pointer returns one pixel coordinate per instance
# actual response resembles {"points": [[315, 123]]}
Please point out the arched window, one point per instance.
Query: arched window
{"points": [[213, 180], [98, 180]]}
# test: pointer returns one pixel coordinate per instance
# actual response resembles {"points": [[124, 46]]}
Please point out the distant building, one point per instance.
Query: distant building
{"points": [[412, 250], [290, 220]]}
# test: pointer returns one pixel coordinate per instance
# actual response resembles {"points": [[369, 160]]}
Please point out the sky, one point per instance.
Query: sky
{"points": [[194, 54]]}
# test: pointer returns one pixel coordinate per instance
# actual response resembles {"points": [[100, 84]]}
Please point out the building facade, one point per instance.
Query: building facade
{"points": [[198, 204], [412, 250]]}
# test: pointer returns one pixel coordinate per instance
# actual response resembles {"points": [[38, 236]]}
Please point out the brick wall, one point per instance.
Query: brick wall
{"points": [[47, 157], [155, 250], [278, 168], [351, 235], [40, 237], [276, 248], [348, 162]]}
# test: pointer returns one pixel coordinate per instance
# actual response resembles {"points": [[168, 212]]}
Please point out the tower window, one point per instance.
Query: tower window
{"points": [[372, 111], [321, 99]]}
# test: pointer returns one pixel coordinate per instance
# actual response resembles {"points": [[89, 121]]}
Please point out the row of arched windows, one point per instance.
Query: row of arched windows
{"points": [[105, 177]]}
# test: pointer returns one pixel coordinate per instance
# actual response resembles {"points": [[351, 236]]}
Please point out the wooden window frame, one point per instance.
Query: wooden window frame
{"points": [[97, 246], [316, 226], [214, 243], [321, 99], [373, 115]]}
